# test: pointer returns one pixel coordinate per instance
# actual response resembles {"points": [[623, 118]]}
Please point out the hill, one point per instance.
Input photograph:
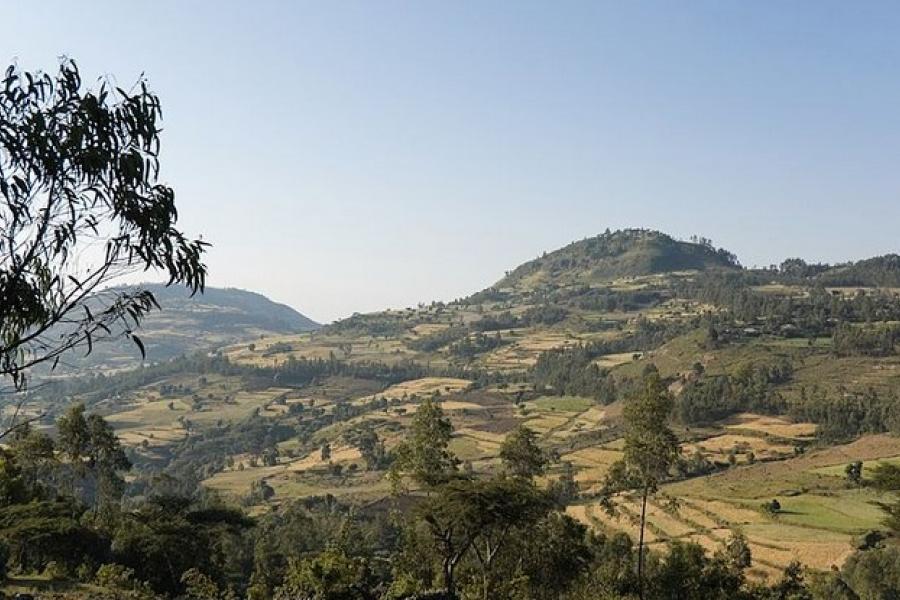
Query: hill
{"points": [[612, 255], [231, 310], [881, 271], [205, 321]]}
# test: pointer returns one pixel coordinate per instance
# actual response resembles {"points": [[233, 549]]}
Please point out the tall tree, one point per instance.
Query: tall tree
{"points": [[520, 454], [650, 450], [480, 517], [80, 206], [425, 455], [92, 447]]}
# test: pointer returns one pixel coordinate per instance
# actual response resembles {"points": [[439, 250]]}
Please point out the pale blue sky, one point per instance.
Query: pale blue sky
{"points": [[352, 156]]}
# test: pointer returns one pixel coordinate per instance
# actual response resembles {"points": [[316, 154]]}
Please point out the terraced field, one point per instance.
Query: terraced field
{"points": [[820, 518]]}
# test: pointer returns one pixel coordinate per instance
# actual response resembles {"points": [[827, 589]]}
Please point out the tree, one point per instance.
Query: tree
{"points": [[92, 447], [791, 585], [687, 574], [874, 573], [331, 575], [198, 586], [737, 551], [521, 455], [886, 477], [80, 206], [565, 488], [553, 554], [166, 536], [772, 507], [481, 517], [854, 472], [370, 446], [831, 586], [34, 453], [650, 449], [41, 532], [424, 454]]}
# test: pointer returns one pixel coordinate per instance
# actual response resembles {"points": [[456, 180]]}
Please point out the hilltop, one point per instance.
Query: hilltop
{"points": [[611, 255]]}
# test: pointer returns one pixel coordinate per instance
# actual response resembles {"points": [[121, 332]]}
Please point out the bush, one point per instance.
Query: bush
{"points": [[115, 577], [55, 571]]}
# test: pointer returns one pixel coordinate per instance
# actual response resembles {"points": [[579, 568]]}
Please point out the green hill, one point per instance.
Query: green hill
{"points": [[612, 255], [880, 271]]}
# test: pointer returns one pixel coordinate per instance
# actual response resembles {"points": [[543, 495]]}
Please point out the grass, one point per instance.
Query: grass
{"points": [[608, 361], [839, 470], [851, 511], [561, 403], [772, 426], [468, 448], [741, 444]]}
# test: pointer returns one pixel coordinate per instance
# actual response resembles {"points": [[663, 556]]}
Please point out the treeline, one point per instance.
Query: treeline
{"points": [[606, 300], [542, 314], [437, 340], [815, 314], [471, 346], [882, 271], [847, 414], [384, 324], [572, 371], [871, 340], [705, 399], [99, 386]]}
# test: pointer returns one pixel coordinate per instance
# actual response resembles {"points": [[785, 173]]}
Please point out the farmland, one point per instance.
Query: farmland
{"points": [[280, 417]]}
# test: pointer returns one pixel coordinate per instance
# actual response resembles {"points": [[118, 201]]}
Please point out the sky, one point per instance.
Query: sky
{"points": [[353, 156]]}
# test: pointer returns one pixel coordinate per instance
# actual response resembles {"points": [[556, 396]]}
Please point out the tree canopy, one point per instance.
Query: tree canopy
{"points": [[81, 205]]}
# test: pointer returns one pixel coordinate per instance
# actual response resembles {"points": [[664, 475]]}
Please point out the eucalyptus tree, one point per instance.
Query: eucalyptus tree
{"points": [[81, 205], [521, 455], [650, 450], [425, 455]]}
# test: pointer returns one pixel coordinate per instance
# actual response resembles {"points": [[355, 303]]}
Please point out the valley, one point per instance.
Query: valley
{"points": [[780, 381]]}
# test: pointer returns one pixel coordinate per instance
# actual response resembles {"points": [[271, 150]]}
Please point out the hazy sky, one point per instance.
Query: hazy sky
{"points": [[352, 156]]}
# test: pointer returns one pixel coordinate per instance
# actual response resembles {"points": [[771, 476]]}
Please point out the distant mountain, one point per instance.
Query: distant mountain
{"points": [[612, 255], [229, 310], [186, 324]]}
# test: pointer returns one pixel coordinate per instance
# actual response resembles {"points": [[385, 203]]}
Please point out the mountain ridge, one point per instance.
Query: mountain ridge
{"points": [[189, 323]]}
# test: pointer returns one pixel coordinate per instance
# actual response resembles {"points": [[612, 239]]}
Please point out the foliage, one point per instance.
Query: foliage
{"points": [[438, 339], [707, 399], [167, 536], [41, 532], [650, 448], [424, 453], [79, 168], [847, 414], [330, 575], [520, 454], [479, 517], [92, 448]]}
